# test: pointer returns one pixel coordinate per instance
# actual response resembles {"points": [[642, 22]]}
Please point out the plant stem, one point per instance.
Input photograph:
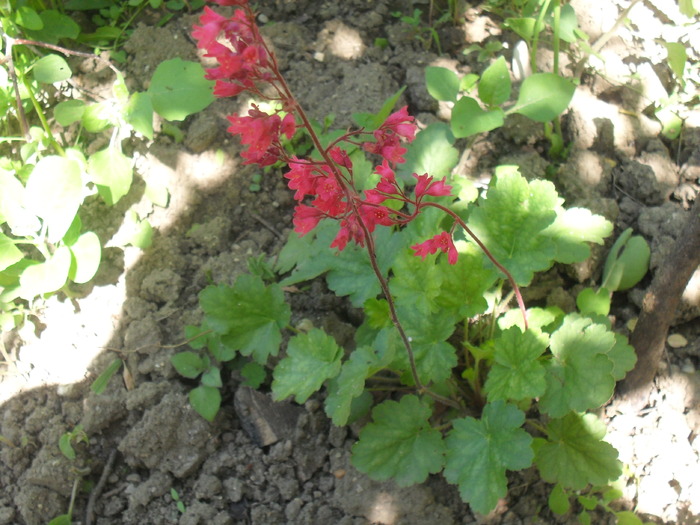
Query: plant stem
{"points": [[511, 280], [539, 25]]}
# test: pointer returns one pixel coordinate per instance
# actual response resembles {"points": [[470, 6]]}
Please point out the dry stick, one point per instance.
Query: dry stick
{"points": [[659, 308], [90, 511]]}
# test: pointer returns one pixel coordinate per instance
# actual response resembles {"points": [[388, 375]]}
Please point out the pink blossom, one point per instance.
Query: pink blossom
{"points": [[443, 242]]}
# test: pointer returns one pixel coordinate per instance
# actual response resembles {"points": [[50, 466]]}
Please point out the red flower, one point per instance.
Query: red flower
{"points": [[426, 186], [306, 218], [401, 123], [443, 242]]}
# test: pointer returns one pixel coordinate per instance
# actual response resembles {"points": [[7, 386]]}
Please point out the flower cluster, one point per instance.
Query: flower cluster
{"points": [[325, 188]]}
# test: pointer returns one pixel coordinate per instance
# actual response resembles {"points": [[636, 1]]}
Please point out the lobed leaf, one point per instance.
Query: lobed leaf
{"points": [[579, 376], [517, 372], [311, 359], [249, 316], [399, 443], [480, 451], [431, 152], [575, 454], [573, 229], [349, 384], [510, 220]]}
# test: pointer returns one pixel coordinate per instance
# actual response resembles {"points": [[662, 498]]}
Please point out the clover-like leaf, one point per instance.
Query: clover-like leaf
{"points": [[311, 359], [479, 451], [248, 316], [579, 376], [575, 454], [399, 443], [517, 373], [510, 221], [349, 384]]}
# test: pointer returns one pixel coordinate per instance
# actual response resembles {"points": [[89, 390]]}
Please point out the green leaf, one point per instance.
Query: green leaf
{"points": [[253, 374], [63, 519], [517, 373], [573, 230], [622, 356], [523, 27], [543, 97], [311, 359], [54, 192], [55, 27], [558, 500], [65, 446], [494, 86], [139, 113], [510, 220], [435, 357], [431, 152], [97, 117], [69, 111], [579, 376], [178, 89], [212, 377], [568, 24], [206, 400], [399, 443], [48, 276], [590, 301], [51, 69], [142, 235], [87, 253], [349, 384], [9, 253], [249, 316], [416, 283], [188, 364], [627, 517], [372, 121], [575, 454], [112, 172], [480, 451], [677, 57], [28, 18], [465, 283], [442, 83], [627, 263], [469, 119], [100, 383]]}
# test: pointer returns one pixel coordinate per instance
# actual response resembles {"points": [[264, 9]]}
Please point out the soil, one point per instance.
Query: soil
{"points": [[144, 440]]}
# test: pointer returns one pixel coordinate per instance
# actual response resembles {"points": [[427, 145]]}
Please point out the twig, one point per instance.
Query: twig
{"points": [[95, 494], [266, 224]]}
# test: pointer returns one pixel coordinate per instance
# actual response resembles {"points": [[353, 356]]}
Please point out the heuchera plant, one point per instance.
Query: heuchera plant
{"points": [[455, 377]]}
